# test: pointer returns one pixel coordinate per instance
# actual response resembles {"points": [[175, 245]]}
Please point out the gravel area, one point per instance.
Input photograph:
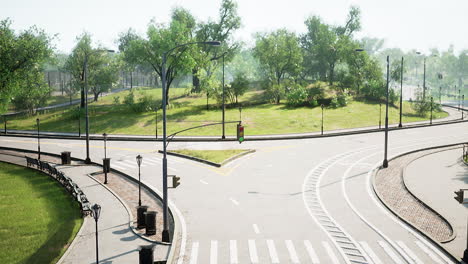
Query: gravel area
{"points": [[390, 187]]}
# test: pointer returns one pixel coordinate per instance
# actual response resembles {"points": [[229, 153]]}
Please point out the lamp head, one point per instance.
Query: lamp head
{"points": [[96, 209], [139, 159], [104, 136], [359, 49], [212, 43]]}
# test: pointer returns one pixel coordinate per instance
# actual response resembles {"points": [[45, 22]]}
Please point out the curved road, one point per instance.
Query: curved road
{"points": [[292, 201]]}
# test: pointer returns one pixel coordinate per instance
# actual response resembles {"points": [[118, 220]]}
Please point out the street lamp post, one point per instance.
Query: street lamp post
{"points": [[459, 100], [38, 140], [96, 211], [5, 121], [165, 232], [321, 129], [139, 159], [432, 107], [380, 115], [401, 92], [106, 160], [385, 162], [424, 80], [224, 100], [156, 117], [463, 105], [440, 94]]}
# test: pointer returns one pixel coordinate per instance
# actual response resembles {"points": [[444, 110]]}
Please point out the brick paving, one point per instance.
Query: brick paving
{"points": [[390, 187]]}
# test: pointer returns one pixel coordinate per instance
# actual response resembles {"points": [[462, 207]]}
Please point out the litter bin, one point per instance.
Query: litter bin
{"points": [[66, 157], [141, 210], [146, 254], [150, 223], [106, 165]]}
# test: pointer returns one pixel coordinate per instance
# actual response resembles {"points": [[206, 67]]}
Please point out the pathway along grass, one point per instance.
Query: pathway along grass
{"points": [[38, 218], [258, 116]]}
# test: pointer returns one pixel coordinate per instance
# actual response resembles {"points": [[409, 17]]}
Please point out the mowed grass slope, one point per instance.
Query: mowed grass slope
{"points": [[189, 111], [38, 218]]}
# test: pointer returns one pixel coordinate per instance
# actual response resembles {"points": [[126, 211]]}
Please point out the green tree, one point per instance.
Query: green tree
{"points": [[239, 86], [104, 77], [280, 57], [22, 58]]}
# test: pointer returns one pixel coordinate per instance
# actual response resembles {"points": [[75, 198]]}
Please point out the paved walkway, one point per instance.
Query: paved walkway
{"points": [[423, 194], [117, 242]]}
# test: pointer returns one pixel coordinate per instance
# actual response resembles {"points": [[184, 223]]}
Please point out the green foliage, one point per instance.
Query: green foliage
{"points": [[33, 93], [129, 99], [297, 96], [239, 86], [116, 99], [145, 102], [342, 100]]}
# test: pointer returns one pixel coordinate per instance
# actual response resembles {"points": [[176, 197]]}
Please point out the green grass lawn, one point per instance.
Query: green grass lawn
{"points": [[189, 111], [216, 156], [38, 218]]}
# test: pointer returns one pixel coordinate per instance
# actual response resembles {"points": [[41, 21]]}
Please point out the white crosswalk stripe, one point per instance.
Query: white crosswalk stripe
{"points": [[429, 252], [253, 251], [370, 252], [117, 167], [292, 252], [409, 252], [272, 250], [390, 252], [330, 253], [214, 252], [123, 164], [233, 251], [194, 255], [313, 256]]}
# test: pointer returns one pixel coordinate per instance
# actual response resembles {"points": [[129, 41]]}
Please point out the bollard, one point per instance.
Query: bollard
{"points": [[66, 157], [106, 165], [141, 210], [146, 254], [150, 223]]}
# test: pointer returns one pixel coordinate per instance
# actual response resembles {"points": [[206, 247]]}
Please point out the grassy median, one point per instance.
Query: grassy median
{"points": [[38, 218]]}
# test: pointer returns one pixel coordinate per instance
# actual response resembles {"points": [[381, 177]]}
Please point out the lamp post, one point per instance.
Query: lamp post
{"points": [[424, 76], [156, 117], [96, 211], [106, 161], [85, 68], [385, 161], [165, 232], [459, 100], [380, 115], [321, 133], [440, 94], [4, 121], [139, 159], [79, 122], [224, 104], [432, 107], [240, 113], [463, 105], [401, 92], [38, 140]]}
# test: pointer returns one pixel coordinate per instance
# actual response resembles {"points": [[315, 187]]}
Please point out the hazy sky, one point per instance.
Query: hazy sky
{"points": [[408, 24]]}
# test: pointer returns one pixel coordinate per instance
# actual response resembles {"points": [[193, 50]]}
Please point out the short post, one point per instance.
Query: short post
{"points": [[463, 106], [380, 116], [432, 108], [96, 211], [240, 113], [322, 106], [156, 117], [106, 160], [139, 159], [38, 140]]}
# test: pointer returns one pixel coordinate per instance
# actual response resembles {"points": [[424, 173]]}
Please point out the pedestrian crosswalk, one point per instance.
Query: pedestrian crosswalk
{"points": [[131, 165], [305, 251]]}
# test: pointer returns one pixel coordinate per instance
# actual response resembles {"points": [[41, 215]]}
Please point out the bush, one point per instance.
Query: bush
{"points": [[116, 99], [129, 99], [297, 96], [145, 102], [342, 100], [334, 102]]}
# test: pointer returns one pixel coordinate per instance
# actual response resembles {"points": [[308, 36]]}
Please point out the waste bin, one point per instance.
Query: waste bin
{"points": [[141, 210], [146, 254], [66, 157], [106, 165], [150, 223]]}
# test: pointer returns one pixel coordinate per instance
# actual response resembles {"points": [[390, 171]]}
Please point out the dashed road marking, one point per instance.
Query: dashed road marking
{"points": [[214, 252], [330, 252], [256, 230], [233, 251], [234, 201], [253, 251], [204, 182], [370, 252], [292, 252], [272, 251], [390, 252], [194, 255], [313, 256]]}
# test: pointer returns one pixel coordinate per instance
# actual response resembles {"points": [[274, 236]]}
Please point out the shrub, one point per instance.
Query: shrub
{"points": [[342, 100], [116, 99], [334, 102], [129, 99], [297, 96]]}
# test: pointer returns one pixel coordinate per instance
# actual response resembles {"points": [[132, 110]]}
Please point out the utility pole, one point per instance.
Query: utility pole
{"points": [[401, 92]]}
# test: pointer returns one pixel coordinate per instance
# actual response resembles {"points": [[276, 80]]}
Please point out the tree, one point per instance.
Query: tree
{"points": [[238, 86], [279, 55], [22, 57], [104, 77]]}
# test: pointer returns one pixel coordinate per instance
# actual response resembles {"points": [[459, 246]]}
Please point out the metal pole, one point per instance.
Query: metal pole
{"points": [[322, 121], [385, 162], [459, 98], [87, 160], [224, 107], [38, 140], [440, 94], [240, 113], [79, 121], [139, 186], [432, 106], [165, 233], [156, 123], [424, 81], [4, 121], [380, 115], [401, 93], [463, 105], [97, 243]]}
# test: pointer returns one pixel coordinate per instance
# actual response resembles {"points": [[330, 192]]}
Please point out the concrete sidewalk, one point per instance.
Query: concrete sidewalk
{"points": [[117, 242]]}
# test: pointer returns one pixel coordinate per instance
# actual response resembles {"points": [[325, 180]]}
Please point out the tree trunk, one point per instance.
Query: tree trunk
{"points": [[195, 81], [96, 96], [131, 80], [82, 97]]}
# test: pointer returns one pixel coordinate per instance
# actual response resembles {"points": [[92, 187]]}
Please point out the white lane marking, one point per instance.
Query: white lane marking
{"points": [[233, 251], [256, 230], [370, 252], [120, 163], [154, 162], [313, 256], [428, 252], [253, 251], [133, 163], [214, 252], [330, 252], [292, 252], [204, 182], [272, 250], [194, 255], [234, 201], [118, 167], [172, 168], [409, 252], [390, 252]]}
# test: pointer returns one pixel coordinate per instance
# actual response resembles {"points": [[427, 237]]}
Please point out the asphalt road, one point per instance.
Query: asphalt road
{"points": [[292, 201]]}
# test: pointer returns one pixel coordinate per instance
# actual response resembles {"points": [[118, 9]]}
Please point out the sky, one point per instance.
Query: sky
{"points": [[405, 24]]}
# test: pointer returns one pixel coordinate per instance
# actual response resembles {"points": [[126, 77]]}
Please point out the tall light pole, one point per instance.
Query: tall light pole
{"points": [[223, 136], [424, 76], [165, 232], [385, 161], [463, 105], [322, 120], [401, 92], [96, 211], [432, 108], [139, 159], [459, 99], [38, 140], [85, 68], [106, 161]]}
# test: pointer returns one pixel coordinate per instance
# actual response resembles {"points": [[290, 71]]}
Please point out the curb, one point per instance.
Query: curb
{"points": [[207, 161], [435, 242]]}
